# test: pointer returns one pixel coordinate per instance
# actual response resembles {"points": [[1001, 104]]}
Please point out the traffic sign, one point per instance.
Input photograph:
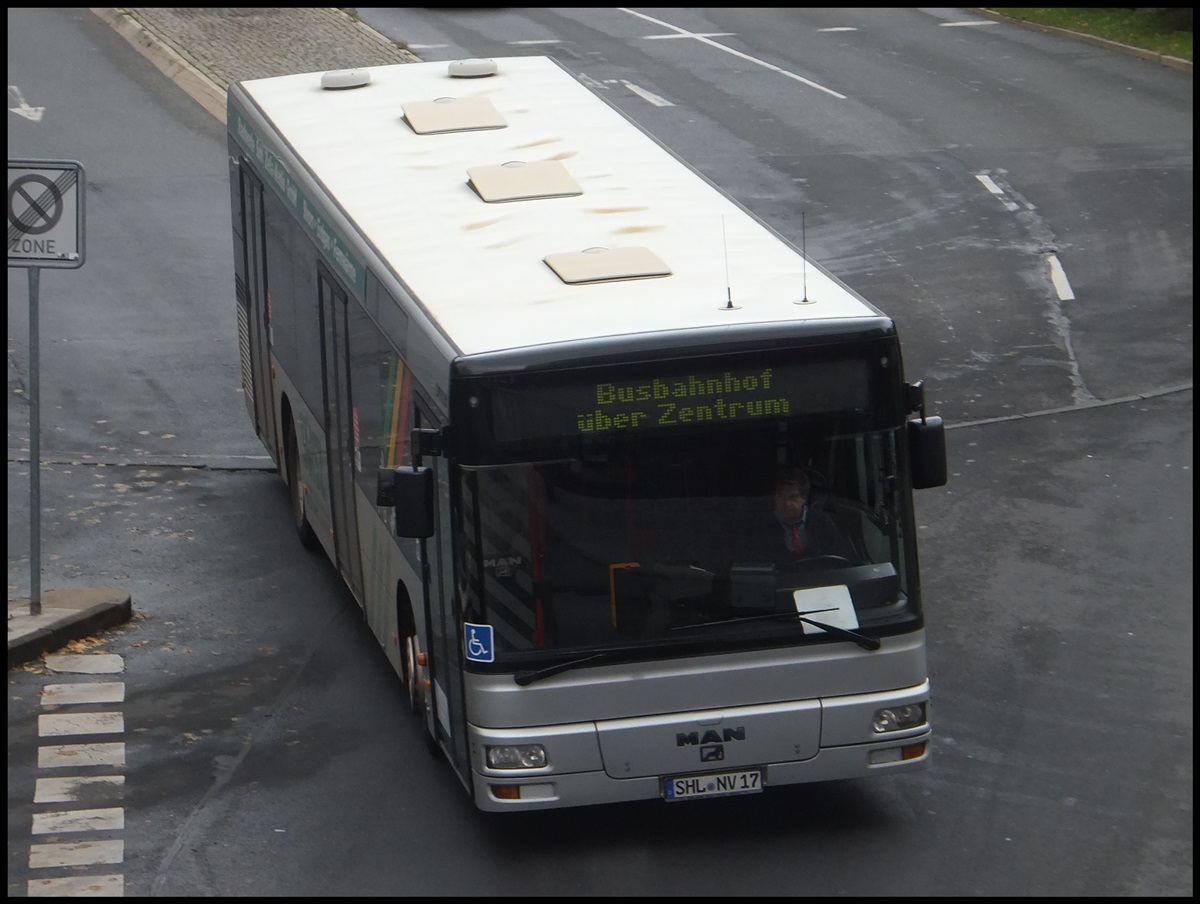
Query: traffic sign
{"points": [[45, 213]]}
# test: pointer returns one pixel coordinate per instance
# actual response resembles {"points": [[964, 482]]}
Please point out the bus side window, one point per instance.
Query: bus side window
{"points": [[382, 387]]}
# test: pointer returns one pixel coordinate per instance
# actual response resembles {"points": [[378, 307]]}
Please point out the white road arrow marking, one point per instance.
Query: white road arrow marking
{"points": [[16, 103]]}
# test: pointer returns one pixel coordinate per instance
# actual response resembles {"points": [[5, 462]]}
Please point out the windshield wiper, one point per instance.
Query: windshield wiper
{"points": [[528, 676], [863, 640]]}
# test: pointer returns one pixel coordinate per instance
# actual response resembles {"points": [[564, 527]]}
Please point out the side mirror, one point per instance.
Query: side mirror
{"points": [[410, 492], [927, 452], [926, 442]]}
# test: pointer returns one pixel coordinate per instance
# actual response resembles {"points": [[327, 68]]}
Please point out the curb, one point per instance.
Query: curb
{"points": [[195, 83], [1149, 56], [66, 615]]}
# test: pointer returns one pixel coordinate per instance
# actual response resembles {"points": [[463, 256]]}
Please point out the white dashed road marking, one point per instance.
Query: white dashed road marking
{"points": [[996, 190], [1058, 277], [647, 95]]}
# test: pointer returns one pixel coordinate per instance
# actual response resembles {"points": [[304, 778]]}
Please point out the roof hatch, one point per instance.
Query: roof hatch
{"points": [[594, 265], [518, 181], [449, 114]]}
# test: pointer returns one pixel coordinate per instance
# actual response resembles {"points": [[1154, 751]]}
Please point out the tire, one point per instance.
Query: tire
{"points": [[308, 537], [411, 675]]}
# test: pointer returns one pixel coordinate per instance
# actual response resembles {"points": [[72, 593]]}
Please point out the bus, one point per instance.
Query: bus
{"points": [[529, 379]]}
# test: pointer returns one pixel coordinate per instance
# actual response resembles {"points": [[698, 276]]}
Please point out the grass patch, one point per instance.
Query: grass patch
{"points": [[1166, 31]]}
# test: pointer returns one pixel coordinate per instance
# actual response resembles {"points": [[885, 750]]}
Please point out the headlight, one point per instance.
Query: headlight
{"points": [[894, 718], [517, 756]]}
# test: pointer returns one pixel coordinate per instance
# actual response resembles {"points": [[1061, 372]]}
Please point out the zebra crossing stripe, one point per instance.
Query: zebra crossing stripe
{"points": [[86, 663], [86, 692], [73, 788], [76, 853], [78, 887], [58, 756], [76, 787], [63, 821], [58, 724]]}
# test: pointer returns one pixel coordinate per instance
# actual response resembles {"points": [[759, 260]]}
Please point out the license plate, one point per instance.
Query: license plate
{"points": [[718, 784]]}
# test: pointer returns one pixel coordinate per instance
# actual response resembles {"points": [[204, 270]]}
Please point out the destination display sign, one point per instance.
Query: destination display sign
{"points": [[702, 397], [690, 399]]}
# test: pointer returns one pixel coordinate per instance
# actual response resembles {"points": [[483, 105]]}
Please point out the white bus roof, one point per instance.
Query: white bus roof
{"points": [[512, 273]]}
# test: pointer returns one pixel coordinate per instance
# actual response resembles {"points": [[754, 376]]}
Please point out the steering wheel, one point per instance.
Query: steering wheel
{"points": [[830, 561]]}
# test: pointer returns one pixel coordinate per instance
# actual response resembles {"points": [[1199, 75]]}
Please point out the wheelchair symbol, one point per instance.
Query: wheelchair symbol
{"points": [[475, 647], [478, 642]]}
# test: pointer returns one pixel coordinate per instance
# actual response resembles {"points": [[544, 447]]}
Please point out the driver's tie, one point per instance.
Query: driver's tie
{"points": [[797, 539]]}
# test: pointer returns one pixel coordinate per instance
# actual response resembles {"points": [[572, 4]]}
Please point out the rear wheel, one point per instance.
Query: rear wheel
{"points": [[308, 537]]}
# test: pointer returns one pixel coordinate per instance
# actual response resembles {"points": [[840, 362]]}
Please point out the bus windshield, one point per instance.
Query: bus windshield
{"points": [[650, 540]]}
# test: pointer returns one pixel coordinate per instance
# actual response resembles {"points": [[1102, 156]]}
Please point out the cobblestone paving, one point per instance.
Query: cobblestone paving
{"points": [[233, 44]]}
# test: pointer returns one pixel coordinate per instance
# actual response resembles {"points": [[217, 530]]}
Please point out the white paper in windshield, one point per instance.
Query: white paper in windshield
{"points": [[831, 605]]}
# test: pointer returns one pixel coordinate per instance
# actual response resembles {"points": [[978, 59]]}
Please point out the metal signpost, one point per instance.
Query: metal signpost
{"points": [[45, 230]]}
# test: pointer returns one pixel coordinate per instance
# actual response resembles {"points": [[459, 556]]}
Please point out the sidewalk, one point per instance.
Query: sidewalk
{"points": [[66, 615], [203, 50]]}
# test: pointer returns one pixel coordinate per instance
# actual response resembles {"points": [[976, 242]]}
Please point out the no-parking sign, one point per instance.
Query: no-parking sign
{"points": [[45, 213]]}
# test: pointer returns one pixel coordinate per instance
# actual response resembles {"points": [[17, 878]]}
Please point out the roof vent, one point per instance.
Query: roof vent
{"points": [[472, 68], [594, 265], [341, 79], [449, 114], [518, 181]]}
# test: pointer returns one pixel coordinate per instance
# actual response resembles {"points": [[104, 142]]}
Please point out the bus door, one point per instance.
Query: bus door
{"points": [[340, 428], [254, 316], [444, 618]]}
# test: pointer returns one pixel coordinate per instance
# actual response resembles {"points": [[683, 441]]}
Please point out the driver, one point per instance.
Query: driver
{"points": [[798, 531]]}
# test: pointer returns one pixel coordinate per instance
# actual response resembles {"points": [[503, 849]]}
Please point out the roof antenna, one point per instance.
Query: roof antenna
{"points": [[729, 305], [803, 261]]}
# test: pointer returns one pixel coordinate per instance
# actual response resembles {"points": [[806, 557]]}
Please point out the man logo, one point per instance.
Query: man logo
{"points": [[503, 566], [694, 738], [712, 754]]}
